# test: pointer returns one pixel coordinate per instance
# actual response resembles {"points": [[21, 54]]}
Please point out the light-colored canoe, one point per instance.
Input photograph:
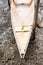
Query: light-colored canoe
{"points": [[22, 18]]}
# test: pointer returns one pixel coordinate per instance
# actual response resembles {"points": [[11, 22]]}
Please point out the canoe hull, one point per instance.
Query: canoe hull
{"points": [[22, 19]]}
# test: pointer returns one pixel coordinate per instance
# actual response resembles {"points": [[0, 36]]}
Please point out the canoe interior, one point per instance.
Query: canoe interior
{"points": [[22, 19]]}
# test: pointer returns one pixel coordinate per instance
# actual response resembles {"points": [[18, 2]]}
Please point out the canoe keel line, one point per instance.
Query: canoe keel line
{"points": [[22, 19]]}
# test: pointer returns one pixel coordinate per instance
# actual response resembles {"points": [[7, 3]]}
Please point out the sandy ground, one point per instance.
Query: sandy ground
{"points": [[8, 50]]}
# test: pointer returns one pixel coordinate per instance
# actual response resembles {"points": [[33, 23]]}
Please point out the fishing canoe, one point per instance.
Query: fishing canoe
{"points": [[22, 19]]}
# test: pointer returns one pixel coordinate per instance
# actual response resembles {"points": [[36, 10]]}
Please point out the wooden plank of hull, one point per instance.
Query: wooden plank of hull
{"points": [[22, 18]]}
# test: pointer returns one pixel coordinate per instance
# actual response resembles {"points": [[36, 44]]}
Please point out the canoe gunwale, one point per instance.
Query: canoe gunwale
{"points": [[21, 4]]}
